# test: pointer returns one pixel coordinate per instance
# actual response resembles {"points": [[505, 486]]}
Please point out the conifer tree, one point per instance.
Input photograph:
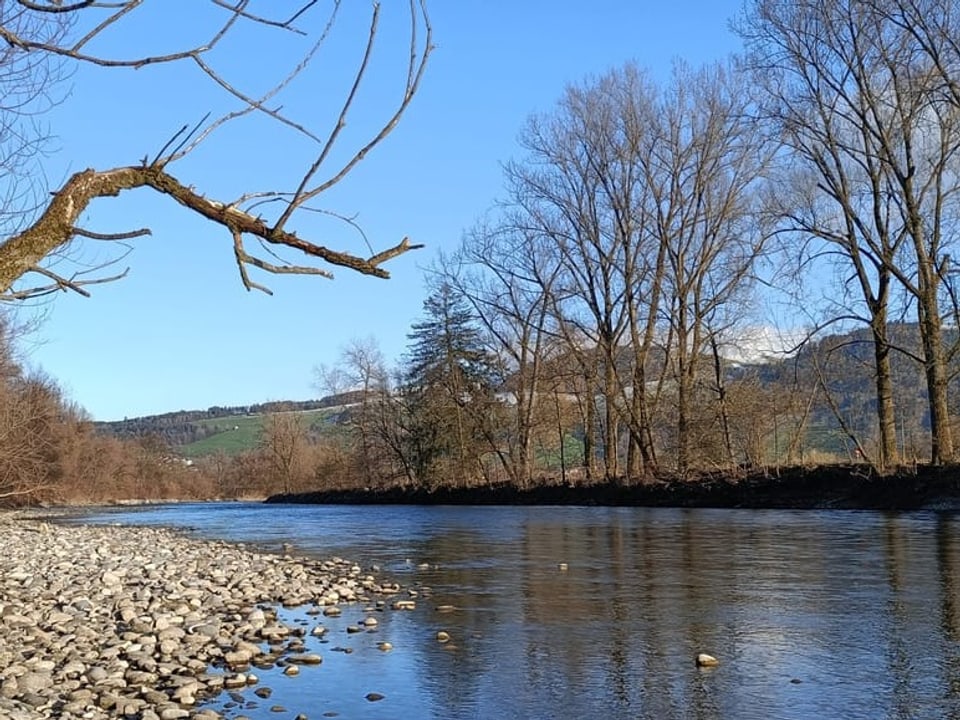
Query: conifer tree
{"points": [[448, 392]]}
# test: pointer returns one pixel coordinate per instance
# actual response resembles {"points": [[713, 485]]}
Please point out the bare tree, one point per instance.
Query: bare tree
{"points": [[577, 190], [379, 420], [645, 197], [507, 275], [72, 34], [30, 410], [360, 377], [27, 447], [703, 173], [283, 443], [865, 94]]}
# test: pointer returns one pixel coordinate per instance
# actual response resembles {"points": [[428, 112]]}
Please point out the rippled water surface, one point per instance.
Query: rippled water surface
{"points": [[812, 614]]}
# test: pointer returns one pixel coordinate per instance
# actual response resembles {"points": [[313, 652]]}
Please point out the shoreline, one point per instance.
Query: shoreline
{"points": [[142, 622], [833, 487]]}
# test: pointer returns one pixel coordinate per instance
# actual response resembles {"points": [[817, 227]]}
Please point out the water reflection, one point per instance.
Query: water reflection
{"points": [[813, 614]]}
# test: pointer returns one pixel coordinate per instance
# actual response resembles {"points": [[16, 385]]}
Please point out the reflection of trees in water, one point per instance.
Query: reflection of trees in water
{"points": [[948, 556], [948, 560], [462, 575], [639, 600], [897, 646], [862, 609], [923, 620]]}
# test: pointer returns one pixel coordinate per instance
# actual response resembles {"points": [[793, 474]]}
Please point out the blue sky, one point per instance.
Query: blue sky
{"points": [[181, 332]]}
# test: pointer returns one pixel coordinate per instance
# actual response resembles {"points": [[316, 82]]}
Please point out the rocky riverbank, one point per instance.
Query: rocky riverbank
{"points": [[105, 622]]}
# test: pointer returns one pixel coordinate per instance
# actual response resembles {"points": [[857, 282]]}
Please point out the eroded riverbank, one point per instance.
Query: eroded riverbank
{"points": [[107, 621], [827, 487]]}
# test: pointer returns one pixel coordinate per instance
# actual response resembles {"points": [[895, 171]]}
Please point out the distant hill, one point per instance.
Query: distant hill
{"points": [[232, 429]]}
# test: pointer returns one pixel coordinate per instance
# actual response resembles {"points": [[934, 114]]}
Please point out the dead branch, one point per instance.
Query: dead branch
{"points": [[285, 24], [237, 11], [415, 69], [56, 8], [112, 236], [24, 252], [59, 284]]}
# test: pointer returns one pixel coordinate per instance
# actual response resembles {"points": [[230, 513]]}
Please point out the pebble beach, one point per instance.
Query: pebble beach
{"points": [[107, 621]]}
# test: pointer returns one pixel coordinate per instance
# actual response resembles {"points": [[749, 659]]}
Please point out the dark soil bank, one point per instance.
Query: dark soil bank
{"points": [[830, 487]]}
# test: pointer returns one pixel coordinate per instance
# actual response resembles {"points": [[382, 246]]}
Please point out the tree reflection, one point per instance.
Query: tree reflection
{"points": [[842, 615]]}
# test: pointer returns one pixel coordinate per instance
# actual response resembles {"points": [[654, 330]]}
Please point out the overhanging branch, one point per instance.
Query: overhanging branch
{"points": [[24, 252]]}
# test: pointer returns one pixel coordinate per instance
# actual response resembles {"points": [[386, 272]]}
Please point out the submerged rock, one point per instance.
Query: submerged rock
{"points": [[704, 660], [305, 659]]}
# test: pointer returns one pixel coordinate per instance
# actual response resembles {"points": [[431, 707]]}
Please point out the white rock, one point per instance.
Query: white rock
{"points": [[704, 660]]}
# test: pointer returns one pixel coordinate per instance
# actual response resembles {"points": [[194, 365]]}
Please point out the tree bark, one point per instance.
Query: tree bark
{"points": [[934, 367], [57, 225], [886, 418]]}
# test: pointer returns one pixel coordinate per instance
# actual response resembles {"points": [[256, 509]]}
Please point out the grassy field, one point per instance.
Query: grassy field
{"points": [[237, 433]]}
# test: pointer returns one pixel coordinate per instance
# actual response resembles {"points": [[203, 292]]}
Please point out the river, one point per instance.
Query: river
{"points": [[812, 614]]}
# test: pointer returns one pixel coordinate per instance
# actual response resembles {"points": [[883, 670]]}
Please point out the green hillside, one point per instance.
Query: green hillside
{"points": [[238, 433], [194, 433], [235, 434]]}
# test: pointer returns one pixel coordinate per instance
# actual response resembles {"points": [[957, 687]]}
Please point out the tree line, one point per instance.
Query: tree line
{"points": [[448, 417], [183, 427], [453, 414], [648, 224]]}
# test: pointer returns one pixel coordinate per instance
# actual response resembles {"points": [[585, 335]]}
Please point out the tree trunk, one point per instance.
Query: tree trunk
{"points": [[589, 433], [722, 401], [683, 395], [934, 366], [611, 465], [887, 455]]}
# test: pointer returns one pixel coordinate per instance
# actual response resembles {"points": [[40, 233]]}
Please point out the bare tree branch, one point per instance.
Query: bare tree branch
{"points": [[112, 236], [57, 7], [60, 284], [415, 70], [25, 250], [285, 24], [244, 258]]}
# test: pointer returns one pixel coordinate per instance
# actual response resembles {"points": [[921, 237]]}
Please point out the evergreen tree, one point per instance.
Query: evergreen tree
{"points": [[448, 391]]}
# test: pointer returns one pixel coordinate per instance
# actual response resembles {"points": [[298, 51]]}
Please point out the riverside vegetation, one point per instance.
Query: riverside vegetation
{"points": [[385, 444], [103, 622]]}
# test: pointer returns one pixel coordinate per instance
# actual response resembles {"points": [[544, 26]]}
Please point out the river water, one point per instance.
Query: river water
{"points": [[812, 614]]}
